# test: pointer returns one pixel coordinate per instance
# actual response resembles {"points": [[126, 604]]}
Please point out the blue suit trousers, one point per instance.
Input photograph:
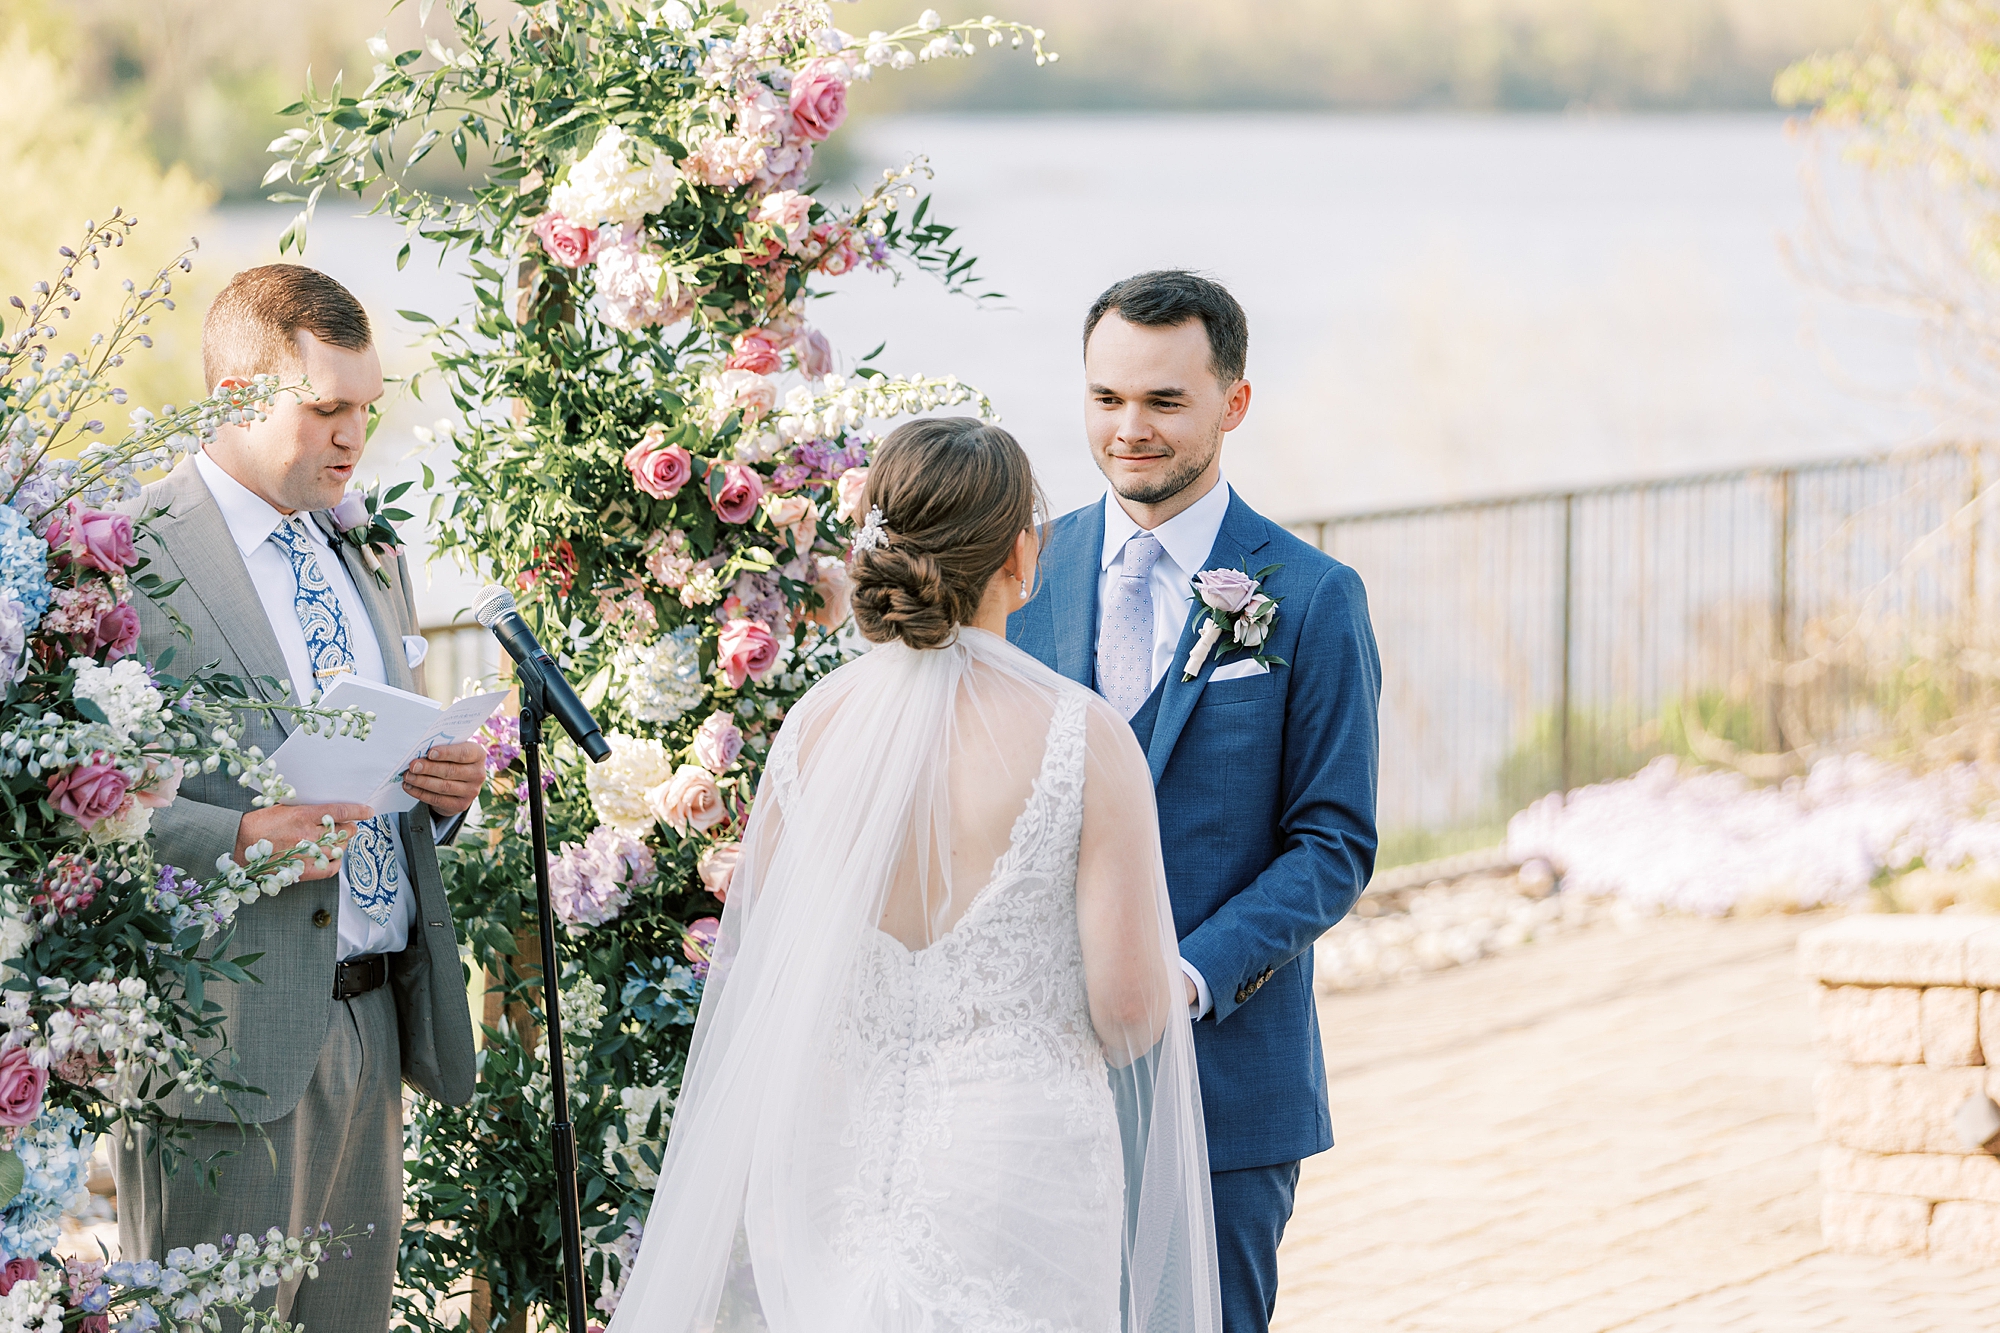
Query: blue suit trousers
{"points": [[1251, 1209]]}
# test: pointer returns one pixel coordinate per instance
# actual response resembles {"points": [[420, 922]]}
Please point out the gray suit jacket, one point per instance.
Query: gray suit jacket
{"points": [[276, 1029]]}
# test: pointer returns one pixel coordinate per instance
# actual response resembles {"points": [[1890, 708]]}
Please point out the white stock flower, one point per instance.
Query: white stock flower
{"points": [[620, 180], [618, 785], [638, 1104], [122, 691]]}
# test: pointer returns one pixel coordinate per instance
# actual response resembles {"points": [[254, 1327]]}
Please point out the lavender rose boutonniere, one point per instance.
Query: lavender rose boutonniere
{"points": [[365, 524], [1231, 602]]}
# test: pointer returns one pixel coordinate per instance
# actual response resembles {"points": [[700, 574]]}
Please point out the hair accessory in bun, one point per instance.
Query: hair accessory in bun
{"points": [[872, 535]]}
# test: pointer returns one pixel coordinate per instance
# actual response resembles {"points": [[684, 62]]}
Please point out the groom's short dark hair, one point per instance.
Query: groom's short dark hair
{"points": [[1167, 297]]}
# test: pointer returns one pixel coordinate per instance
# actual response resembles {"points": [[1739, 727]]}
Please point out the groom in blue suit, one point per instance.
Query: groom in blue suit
{"points": [[1264, 770]]}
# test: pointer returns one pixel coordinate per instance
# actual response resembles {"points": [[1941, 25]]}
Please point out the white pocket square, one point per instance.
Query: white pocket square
{"points": [[415, 649], [1249, 666]]}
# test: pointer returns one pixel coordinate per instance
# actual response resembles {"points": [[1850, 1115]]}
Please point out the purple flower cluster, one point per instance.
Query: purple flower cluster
{"points": [[591, 883], [501, 739], [819, 460]]}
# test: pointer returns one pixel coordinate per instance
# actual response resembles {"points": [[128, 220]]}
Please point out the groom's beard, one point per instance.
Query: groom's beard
{"points": [[1161, 489]]}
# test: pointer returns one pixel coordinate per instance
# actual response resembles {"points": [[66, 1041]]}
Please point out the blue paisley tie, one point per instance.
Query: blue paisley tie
{"points": [[372, 868]]}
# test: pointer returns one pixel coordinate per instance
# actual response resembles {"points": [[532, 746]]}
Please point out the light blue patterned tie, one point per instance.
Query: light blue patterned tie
{"points": [[1125, 636], [371, 865]]}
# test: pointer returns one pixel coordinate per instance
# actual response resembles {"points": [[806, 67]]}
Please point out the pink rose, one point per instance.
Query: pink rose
{"points": [[117, 632], [815, 354], [794, 514], [836, 593], [95, 1323], [352, 511], [689, 800], [567, 243], [1226, 590], [751, 394], [755, 350], [659, 472], [21, 1088], [736, 492], [717, 742], [788, 212], [852, 488], [21, 1269], [99, 540], [163, 784], [835, 244], [699, 946], [819, 98], [88, 792], [746, 651], [718, 867]]}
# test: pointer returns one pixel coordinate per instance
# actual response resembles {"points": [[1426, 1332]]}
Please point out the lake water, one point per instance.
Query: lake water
{"points": [[1440, 307]]}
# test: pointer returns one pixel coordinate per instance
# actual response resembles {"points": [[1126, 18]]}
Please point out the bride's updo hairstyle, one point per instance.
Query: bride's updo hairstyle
{"points": [[954, 494]]}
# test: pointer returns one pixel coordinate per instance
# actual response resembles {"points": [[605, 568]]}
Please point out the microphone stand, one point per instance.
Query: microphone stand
{"points": [[562, 1133]]}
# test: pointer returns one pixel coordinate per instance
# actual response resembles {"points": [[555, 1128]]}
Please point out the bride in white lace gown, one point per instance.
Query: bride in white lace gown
{"points": [[943, 1079]]}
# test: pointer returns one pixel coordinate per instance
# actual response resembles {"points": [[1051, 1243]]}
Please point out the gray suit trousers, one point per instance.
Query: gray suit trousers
{"points": [[336, 1157]]}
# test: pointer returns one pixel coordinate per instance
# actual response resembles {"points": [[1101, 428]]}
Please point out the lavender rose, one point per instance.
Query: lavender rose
{"points": [[21, 1086], [117, 632], [1227, 590], [87, 792], [717, 742], [94, 538], [699, 946], [352, 511], [815, 354]]}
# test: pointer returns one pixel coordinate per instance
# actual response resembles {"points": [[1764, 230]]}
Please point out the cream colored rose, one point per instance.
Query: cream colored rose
{"points": [[688, 801]]}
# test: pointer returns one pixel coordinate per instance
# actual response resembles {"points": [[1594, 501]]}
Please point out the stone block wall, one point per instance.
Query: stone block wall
{"points": [[1909, 1093]]}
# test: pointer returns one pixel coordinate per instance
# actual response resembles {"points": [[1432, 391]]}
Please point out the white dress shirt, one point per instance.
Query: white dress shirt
{"points": [[251, 520], [1185, 542]]}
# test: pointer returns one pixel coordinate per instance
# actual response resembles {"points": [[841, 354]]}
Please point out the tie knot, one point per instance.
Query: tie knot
{"points": [[289, 534], [1142, 552]]}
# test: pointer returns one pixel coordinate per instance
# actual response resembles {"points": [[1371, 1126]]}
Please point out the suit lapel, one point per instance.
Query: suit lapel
{"points": [[212, 569], [1241, 536], [1073, 597], [388, 626]]}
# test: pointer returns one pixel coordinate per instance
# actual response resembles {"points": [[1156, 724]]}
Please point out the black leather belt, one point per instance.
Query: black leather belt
{"points": [[358, 976]]}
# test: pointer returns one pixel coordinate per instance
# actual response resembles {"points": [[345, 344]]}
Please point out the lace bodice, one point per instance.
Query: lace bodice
{"points": [[991, 1019]]}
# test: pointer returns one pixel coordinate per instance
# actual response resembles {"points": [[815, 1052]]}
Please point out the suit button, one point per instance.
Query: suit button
{"points": [[322, 918]]}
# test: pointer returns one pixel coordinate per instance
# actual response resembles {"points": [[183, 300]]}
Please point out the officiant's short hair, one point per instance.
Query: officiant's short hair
{"points": [[1168, 297], [252, 326]]}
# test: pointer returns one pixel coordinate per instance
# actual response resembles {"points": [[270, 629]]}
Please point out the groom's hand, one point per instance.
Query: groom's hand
{"points": [[1193, 995], [448, 778], [285, 826]]}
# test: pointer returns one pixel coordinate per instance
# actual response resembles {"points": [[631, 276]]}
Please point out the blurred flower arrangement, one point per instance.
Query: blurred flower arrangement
{"points": [[664, 457], [1695, 840], [104, 953]]}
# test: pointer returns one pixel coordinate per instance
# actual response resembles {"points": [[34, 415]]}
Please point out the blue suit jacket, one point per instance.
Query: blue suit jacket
{"points": [[1266, 788]]}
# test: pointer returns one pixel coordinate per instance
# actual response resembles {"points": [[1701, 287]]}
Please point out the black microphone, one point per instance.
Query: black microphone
{"points": [[495, 610]]}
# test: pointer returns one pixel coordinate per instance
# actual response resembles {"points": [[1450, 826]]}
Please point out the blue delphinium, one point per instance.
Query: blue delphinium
{"points": [[57, 1163]]}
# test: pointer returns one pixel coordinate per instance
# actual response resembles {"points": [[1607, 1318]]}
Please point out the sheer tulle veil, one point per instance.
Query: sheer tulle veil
{"points": [[890, 793]]}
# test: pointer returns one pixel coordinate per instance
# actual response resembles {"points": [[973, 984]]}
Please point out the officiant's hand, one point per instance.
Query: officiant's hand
{"points": [[448, 778], [285, 825]]}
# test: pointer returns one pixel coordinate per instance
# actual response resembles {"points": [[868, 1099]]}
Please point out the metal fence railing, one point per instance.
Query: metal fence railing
{"points": [[1534, 644]]}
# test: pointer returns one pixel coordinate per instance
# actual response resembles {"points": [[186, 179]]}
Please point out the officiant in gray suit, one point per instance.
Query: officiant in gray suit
{"points": [[361, 988]]}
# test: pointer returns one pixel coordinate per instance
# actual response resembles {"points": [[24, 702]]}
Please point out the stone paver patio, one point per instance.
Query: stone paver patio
{"points": [[1611, 1130]]}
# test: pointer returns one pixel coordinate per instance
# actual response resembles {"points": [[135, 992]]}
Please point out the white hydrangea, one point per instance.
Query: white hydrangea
{"points": [[621, 180], [638, 1104], [661, 681], [122, 690], [618, 786]]}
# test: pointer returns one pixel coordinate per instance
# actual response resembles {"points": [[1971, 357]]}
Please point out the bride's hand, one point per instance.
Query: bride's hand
{"points": [[1193, 995]]}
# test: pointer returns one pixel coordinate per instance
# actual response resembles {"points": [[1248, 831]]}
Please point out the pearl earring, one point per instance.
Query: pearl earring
{"points": [[1024, 590]]}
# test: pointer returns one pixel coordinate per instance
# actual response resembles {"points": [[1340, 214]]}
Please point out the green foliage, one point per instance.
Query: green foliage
{"points": [[663, 594]]}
